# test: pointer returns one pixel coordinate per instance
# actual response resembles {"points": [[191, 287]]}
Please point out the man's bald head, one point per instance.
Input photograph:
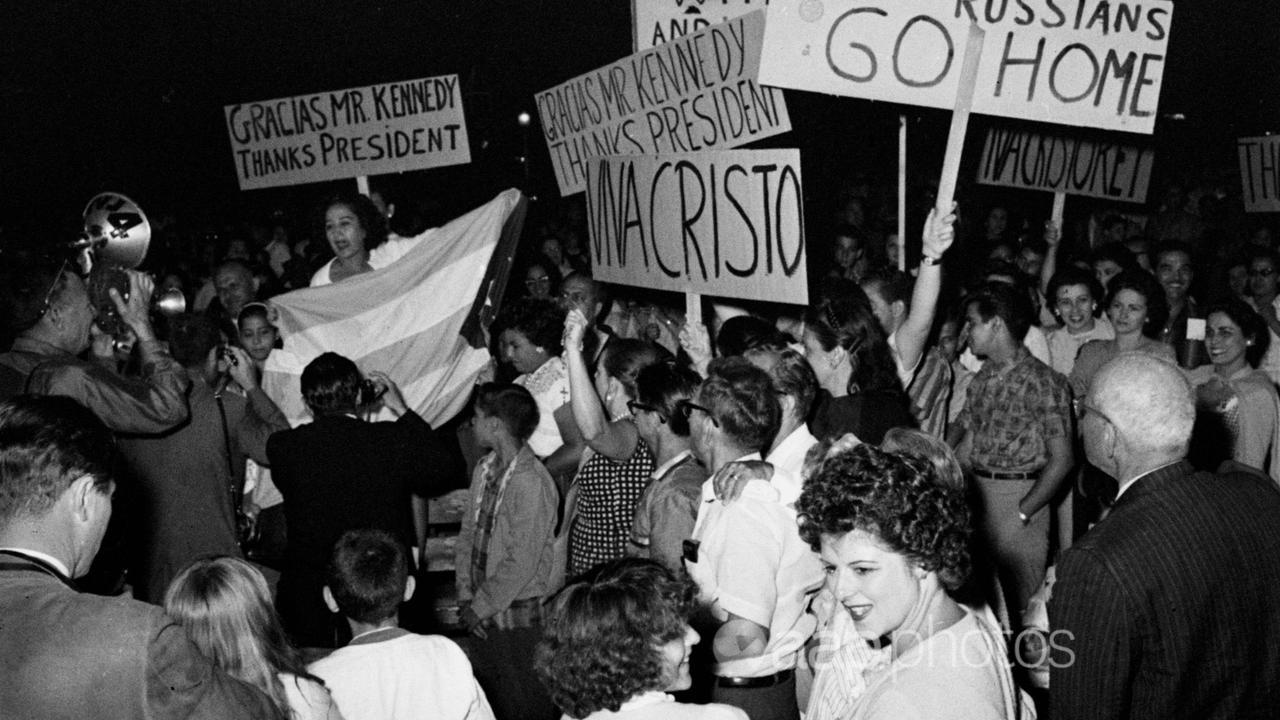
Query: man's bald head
{"points": [[236, 286], [1149, 402]]}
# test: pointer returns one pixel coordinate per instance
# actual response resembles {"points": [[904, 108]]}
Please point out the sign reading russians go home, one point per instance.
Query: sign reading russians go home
{"points": [[727, 223], [695, 93], [1096, 63], [392, 127]]}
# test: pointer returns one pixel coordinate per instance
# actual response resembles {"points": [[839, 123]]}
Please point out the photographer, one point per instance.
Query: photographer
{"points": [[49, 309], [341, 473], [191, 479]]}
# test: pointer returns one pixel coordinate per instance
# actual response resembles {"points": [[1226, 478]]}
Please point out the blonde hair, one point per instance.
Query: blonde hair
{"points": [[224, 605]]}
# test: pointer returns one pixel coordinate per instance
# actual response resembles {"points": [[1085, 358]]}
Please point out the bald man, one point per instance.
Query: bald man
{"points": [[1170, 607]]}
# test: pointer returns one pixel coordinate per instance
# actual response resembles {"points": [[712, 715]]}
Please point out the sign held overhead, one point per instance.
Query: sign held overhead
{"points": [[373, 130], [1096, 63], [728, 224], [695, 94], [1260, 173], [655, 22], [1062, 164]]}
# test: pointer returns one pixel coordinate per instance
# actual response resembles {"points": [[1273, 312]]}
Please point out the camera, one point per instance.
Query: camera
{"points": [[370, 392]]}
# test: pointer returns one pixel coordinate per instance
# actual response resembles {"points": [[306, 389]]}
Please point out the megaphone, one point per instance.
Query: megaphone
{"points": [[116, 237]]}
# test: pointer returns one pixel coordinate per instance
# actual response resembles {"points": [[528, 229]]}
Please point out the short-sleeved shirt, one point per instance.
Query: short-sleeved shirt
{"points": [[1013, 410], [751, 562]]}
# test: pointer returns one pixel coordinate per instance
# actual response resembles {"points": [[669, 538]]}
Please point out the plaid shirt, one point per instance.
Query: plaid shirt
{"points": [[1013, 410]]}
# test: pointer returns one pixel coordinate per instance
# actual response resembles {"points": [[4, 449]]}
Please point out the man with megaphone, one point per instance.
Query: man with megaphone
{"points": [[49, 311]]}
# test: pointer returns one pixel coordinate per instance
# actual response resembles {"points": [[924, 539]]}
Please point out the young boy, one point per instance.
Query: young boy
{"points": [[385, 672]]}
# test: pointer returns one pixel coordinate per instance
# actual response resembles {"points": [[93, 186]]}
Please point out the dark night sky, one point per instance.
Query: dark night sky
{"points": [[129, 96]]}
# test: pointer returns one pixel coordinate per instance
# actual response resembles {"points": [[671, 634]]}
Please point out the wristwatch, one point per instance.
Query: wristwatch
{"points": [[926, 260]]}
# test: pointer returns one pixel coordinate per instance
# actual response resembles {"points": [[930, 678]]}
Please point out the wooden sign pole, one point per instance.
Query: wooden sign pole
{"points": [[902, 192], [960, 120]]}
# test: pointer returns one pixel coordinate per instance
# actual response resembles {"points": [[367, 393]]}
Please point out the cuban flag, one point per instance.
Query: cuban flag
{"points": [[422, 319]]}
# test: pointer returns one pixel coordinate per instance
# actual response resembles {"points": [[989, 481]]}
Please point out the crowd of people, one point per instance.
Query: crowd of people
{"points": [[1038, 476]]}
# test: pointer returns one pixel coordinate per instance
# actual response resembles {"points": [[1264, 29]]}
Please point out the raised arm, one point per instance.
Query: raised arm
{"points": [[1052, 238], [912, 337], [614, 440]]}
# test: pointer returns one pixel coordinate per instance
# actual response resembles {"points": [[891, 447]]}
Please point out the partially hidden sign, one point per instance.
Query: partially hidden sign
{"points": [[378, 129], [658, 21], [1260, 173], [1060, 163], [1085, 62], [695, 94], [728, 223]]}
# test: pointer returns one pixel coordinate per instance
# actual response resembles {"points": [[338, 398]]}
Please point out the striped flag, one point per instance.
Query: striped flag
{"points": [[407, 319]]}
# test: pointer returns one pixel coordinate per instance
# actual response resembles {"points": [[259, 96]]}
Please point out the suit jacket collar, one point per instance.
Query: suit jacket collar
{"points": [[1153, 482], [17, 561]]}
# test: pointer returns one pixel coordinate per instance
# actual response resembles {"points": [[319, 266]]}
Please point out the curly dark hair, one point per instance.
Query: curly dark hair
{"points": [[895, 498], [371, 219], [601, 642], [541, 321], [850, 323], [1145, 284]]}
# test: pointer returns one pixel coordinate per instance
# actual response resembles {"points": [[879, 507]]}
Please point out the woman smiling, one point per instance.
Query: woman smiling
{"points": [[893, 542]]}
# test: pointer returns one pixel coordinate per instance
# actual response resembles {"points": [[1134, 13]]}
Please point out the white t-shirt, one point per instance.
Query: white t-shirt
{"points": [[402, 676]]}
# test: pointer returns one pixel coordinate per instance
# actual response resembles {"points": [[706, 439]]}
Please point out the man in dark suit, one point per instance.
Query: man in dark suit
{"points": [[1170, 607], [65, 654], [341, 473]]}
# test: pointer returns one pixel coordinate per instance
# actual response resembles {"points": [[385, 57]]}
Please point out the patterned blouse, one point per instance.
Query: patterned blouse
{"points": [[608, 493]]}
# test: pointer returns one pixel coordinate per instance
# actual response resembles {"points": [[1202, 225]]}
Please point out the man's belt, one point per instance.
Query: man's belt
{"points": [[755, 682]]}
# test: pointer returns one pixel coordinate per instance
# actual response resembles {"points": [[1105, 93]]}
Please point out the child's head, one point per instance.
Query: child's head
{"points": [[368, 576], [258, 336], [504, 408]]}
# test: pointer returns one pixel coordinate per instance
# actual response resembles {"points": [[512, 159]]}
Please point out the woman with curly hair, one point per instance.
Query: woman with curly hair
{"points": [[529, 340], [618, 639], [893, 542], [860, 390], [354, 228], [224, 605]]}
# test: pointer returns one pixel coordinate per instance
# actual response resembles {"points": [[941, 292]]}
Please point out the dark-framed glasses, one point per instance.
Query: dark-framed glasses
{"points": [[686, 408]]}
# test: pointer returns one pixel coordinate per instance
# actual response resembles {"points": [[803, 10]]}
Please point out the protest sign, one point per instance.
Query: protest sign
{"points": [[695, 94], [729, 224], [1260, 173], [658, 21], [392, 127], [1063, 164], [1090, 62]]}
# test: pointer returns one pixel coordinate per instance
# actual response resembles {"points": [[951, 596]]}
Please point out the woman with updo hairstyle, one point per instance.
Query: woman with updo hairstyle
{"points": [[528, 335], [860, 392], [224, 605], [1237, 406], [353, 227], [893, 542], [617, 640], [605, 492], [1136, 307], [668, 507]]}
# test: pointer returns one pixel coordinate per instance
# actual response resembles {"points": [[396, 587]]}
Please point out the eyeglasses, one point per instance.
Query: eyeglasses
{"points": [[1262, 272], [686, 408], [637, 407], [531, 282], [1085, 407]]}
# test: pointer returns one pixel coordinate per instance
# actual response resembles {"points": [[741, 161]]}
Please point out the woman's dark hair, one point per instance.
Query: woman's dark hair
{"points": [[1071, 275], [624, 358], [1251, 324], [601, 643], [331, 385], [191, 337], [553, 273], [1116, 253], [664, 384], [512, 404], [541, 321], [895, 498], [741, 333], [371, 221], [851, 324], [1146, 285]]}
